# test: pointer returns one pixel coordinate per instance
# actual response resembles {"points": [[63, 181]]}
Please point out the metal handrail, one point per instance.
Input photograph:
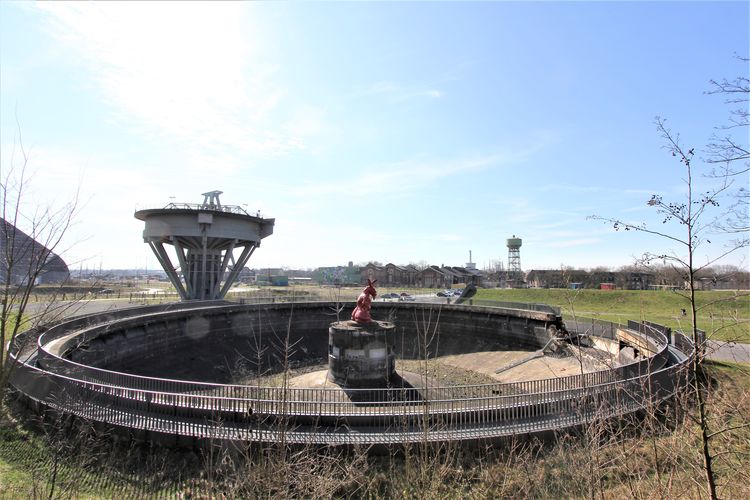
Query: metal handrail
{"points": [[504, 413], [502, 407], [232, 209], [140, 382], [514, 305]]}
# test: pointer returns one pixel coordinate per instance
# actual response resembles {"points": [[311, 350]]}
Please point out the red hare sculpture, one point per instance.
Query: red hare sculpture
{"points": [[361, 313]]}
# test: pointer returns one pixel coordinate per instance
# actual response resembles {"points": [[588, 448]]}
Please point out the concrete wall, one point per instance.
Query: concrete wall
{"points": [[228, 343]]}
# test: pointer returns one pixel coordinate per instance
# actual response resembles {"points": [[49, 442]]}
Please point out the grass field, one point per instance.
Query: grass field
{"points": [[724, 315]]}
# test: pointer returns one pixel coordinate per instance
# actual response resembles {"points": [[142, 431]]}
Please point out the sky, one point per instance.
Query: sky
{"points": [[396, 132]]}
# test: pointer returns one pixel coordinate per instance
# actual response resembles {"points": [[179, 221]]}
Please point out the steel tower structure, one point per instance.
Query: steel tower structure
{"points": [[204, 237], [514, 259]]}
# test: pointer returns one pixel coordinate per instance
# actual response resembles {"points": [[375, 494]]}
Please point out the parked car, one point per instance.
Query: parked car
{"points": [[405, 297], [445, 293], [390, 296]]}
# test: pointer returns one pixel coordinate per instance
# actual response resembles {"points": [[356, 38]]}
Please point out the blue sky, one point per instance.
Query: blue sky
{"points": [[398, 132]]}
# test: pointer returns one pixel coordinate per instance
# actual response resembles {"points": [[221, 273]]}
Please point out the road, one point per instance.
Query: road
{"points": [[69, 308], [728, 351]]}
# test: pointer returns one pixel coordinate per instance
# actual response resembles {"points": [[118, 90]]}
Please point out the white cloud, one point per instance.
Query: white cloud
{"points": [[449, 237], [554, 225], [312, 128], [189, 71], [569, 188], [400, 92], [644, 192], [431, 93], [105, 194], [639, 208], [573, 243], [381, 88], [403, 176]]}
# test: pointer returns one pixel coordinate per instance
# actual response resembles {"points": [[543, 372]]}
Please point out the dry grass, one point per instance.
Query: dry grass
{"points": [[655, 455]]}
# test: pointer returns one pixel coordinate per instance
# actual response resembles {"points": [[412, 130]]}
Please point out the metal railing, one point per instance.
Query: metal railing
{"points": [[593, 327], [137, 382], [318, 418], [231, 209], [514, 305], [327, 415]]}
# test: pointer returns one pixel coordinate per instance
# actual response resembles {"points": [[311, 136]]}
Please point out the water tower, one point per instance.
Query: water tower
{"points": [[514, 259], [205, 238]]}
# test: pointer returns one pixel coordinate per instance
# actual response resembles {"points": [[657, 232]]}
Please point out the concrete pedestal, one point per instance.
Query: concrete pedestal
{"points": [[361, 355]]}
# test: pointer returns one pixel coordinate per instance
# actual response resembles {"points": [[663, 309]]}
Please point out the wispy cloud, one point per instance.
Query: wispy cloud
{"points": [[404, 176], [643, 192], [431, 93], [449, 237], [569, 188], [554, 225], [573, 242], [639, 208], [400, 92], [189, 71], [411, 174]]}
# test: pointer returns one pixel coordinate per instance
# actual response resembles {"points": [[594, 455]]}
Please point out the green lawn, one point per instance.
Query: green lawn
{"points": [[724, 315]]}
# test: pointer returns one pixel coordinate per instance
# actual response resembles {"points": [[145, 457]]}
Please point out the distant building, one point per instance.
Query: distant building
{"points": [[395, 275], [434, 277], [411, 274], [557, 278], [465, 275], [28, 260], [337, 275], [246, 274], [635, 281], [736, 280], [429, 277], [280, 280], [372, 272]]}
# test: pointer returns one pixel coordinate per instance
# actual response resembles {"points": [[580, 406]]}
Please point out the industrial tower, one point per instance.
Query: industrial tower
{"points": [[515, 275], [204, 237]]}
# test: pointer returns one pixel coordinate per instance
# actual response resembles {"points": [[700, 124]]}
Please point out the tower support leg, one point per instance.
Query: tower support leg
{"points": [[166, 263], [244, 257]]}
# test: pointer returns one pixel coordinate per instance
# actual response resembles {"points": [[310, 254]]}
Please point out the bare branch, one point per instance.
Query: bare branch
{"points": [[619, 224]]}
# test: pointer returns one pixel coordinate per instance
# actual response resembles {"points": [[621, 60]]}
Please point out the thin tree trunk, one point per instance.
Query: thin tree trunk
{"points": [[697, 367]]}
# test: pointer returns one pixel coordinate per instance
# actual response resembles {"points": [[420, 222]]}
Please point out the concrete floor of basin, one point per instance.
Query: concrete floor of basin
{"points": [[478, 368], [532, 369], [319, 379]]}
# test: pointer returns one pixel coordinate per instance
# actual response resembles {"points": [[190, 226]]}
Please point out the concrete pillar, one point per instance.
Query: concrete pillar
{"points": [[361, 355]]}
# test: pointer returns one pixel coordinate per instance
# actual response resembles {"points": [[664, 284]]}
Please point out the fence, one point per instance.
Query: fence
{"points": [[333, 416], [514, 305]]}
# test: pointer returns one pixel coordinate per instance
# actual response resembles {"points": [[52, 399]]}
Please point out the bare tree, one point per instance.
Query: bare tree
{"points": [[687, 223], [728, 148], [420, 265], [30, 243]]}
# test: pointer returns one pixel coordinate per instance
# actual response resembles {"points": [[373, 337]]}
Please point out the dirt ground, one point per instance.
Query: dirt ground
{"points": [[474, 368], [531, 369]]}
